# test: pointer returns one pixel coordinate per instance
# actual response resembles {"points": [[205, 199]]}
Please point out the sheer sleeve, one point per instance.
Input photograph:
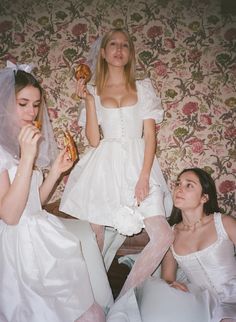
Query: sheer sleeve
{"points": [[6, 160], [82, 114], [151, 107]]}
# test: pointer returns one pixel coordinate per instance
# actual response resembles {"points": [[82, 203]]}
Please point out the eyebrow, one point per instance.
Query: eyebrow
{"points": [[188, 180], [26, 99]]}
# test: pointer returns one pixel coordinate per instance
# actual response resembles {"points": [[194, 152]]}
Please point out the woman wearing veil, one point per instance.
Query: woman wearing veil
{"points": [[119, 182], [43, 274]]}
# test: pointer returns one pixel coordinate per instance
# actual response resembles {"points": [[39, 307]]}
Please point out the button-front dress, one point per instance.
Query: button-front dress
{"points": [[100, 188]]}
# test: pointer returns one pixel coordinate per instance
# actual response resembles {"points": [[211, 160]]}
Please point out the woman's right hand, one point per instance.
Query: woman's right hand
{"points": [[82, 91], [179, 286], [28, 138]]}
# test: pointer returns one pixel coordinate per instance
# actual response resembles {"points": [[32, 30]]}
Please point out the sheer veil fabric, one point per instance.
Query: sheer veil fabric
{"points": [[9, 129]]}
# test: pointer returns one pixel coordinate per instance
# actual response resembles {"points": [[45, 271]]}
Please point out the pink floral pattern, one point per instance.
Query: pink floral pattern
{"points": [[187, 48]]}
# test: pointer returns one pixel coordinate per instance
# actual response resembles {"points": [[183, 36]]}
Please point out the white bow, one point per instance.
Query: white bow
{"points": [[26, 68]]}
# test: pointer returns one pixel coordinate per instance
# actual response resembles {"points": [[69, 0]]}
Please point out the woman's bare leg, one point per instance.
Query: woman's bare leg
{"points": [[99, 232], [228, 320], [161, 237], [94, 313]]}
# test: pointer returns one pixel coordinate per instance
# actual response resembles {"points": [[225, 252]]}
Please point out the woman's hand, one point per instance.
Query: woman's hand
{"points": [[142, 189], [28, 139], [82, 91], [179, 286], [62, 163]]}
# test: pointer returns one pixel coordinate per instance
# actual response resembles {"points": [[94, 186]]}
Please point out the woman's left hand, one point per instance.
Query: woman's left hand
{"points": [[142, 189], [62, 163]]}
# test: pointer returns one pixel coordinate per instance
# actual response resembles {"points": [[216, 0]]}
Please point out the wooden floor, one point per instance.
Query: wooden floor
{"points": [[117, 275]]}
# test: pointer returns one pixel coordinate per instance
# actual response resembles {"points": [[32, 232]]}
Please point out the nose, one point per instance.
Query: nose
{"points": [[31, 110], [119, 47]]}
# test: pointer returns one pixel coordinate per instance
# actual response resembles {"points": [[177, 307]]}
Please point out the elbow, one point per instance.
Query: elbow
{"points": [[10, 221], [94, 143]]}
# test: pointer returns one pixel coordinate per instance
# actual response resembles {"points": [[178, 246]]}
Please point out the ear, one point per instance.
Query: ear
{"points": [[205, 198]]}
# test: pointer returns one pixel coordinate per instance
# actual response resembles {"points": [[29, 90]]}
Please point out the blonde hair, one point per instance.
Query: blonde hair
{"points": [[102, 67]]}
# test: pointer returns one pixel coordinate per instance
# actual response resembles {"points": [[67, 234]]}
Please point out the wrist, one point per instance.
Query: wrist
{"points": [[54, 174], [89, 100], [27, 161], [145, 175]]}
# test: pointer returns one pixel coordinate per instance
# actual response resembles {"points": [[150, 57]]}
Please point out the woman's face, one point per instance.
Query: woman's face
{"points": [[188, 192], [28, 102], [117, 50]]}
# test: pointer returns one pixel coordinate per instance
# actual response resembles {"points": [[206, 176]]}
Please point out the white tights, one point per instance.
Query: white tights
{"points": [[161, 237]]}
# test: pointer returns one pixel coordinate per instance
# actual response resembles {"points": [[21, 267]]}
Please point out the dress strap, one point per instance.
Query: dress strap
{"points": [[219, 226]]}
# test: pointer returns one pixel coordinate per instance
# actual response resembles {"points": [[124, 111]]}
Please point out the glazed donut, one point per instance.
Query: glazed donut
{"points": [[70, 146], [83, 71]]}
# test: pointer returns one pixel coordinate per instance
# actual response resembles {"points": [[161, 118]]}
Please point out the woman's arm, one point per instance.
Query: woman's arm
{"points": [[142, 186], [13, 197], [169, 271], [168, 268], [229, 223], [60, 165], [91, 128]]}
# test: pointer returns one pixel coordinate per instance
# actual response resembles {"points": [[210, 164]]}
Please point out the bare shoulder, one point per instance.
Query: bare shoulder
{"points": [[228, 220], [229, 223]]}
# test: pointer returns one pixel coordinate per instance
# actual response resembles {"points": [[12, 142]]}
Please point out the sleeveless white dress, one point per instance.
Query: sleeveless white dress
{"points": [[210, 275], [43, 274], [100, 188]]}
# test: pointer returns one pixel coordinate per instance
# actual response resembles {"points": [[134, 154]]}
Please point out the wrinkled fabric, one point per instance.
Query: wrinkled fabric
{"points": [[43, 275], [212, 273], [104, 180]]}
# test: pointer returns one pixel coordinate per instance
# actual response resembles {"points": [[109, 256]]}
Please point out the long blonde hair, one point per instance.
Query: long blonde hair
{"points": [[102, 67]]}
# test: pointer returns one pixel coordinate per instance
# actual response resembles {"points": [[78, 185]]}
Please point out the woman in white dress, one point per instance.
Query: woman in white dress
{"points": [[43, 275], [119, 183], [204, 251]]}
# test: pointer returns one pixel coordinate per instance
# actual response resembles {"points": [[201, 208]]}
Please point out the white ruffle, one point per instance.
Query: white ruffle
{"points": [[128, 221]]}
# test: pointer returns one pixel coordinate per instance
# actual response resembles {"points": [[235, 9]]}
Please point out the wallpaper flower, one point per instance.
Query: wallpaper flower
{"points": [[186, 47]]}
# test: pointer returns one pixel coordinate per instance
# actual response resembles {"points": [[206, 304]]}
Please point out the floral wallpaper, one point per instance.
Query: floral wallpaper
{"points": [[186, 47]]}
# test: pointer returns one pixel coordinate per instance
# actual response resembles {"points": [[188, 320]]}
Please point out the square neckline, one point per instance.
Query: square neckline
{"points": [[193, 254], [119, 107]]}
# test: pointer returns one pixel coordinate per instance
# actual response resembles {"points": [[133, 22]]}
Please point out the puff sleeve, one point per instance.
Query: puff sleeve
{"points": [[6, 160], [151, 107], [82, 113]]}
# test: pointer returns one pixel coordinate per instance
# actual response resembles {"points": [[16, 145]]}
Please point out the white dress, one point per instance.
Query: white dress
{"points": [[100, 188], [43, 275], [211, 279]]}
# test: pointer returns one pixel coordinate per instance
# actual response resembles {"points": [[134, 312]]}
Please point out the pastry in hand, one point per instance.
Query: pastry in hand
{"points": [[70, 146], [37, 124], [83, 71]]}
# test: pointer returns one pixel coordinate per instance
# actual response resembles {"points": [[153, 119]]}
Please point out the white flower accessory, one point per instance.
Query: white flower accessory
{"points": [[127, 220], [26, 68]]}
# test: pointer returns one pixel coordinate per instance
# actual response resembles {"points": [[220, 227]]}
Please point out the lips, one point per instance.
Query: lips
{"points": [[118, 56], [179, 198]]}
